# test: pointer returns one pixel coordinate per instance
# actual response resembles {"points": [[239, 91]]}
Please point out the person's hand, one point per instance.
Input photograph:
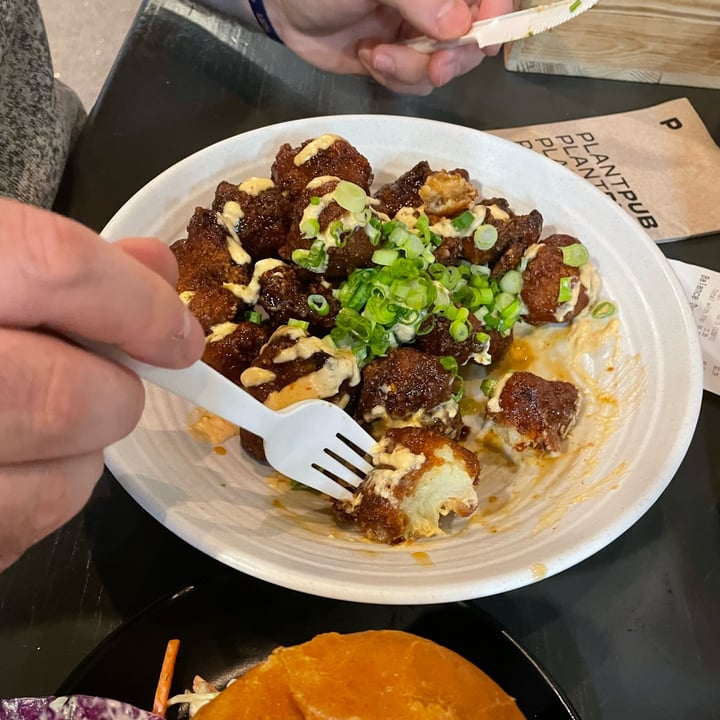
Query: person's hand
{"points": [[364, 36], [59, 404]]}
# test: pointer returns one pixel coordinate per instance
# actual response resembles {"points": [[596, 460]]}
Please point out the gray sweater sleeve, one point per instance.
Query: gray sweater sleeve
{"points": [[39, 117]]}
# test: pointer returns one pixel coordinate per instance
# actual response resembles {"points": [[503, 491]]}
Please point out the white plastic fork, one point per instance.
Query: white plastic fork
{"points": [[313, 442], [512, 26]]}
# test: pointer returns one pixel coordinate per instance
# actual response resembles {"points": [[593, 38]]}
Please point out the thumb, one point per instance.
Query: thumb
{"points": [[441, 19]]}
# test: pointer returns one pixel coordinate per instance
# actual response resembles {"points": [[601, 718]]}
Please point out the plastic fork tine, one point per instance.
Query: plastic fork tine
{"points": [[355, 439], [341, 470], [315, 479]]}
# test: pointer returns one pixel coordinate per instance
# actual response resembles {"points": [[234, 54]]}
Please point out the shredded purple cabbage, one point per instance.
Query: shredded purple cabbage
{"points": [[73, 707]]}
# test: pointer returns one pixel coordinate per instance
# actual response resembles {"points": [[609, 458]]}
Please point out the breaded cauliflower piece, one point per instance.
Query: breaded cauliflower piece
{"points": [[419, 477], [533, 412]]}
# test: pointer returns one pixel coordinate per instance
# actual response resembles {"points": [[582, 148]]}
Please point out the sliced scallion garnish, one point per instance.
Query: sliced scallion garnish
{"points": [[319, 304], [350, 196], [463, 220], [575, 255], [460, 330], [488, 386], [603, 310], [485, 237], [335, 230], [302, 324], [310, 228], [385, 256], [511, 282], [565, 291], [253, 317], [315, 259], [449, 363]]}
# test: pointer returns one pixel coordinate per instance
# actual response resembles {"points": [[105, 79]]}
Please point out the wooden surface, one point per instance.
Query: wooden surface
{"points": [[654, 41]]}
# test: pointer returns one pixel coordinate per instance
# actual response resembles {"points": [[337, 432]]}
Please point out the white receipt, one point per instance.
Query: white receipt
{"points": [[702, 287]]}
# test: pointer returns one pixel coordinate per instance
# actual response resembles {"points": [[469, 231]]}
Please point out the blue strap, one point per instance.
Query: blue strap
{"points": [[258, 9]]}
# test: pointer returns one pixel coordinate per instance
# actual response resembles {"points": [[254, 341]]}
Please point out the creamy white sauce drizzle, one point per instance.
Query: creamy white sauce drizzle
{"points": [[253, 186], [390, 468], [220, 331], [323, 142], [249, 293], [445, 228]]}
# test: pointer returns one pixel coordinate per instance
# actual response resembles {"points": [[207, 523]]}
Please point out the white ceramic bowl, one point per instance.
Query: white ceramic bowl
{"points": [[641, 396]]}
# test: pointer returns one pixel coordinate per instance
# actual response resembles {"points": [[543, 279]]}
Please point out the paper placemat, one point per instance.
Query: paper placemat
{"points": [[660, 164], [702, 287]]}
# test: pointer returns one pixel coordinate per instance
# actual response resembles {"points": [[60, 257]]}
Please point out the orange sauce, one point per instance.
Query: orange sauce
{"points": [[219, 450], [422, 558]]}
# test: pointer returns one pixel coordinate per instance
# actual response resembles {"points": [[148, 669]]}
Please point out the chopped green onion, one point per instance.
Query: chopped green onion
{"points": [[335, 230], [565, 292], [399, 235], [310, 228], [385, 256], [503, 301], [468, 297], [488, 386], [449, 363], [512, 311], [575, 5], [453, 278], [314, 200], [486, 296], [603, 310], [253, 317], [379, 310], [482, 337], [459, 330], [480, 271], [485, 237], [427, 325], [315, 259], [422, 225], [459, 383], [372, 230], [319, 304], [511, 282], [463, 221], [303, 324], [350, 196], [575, 255]]}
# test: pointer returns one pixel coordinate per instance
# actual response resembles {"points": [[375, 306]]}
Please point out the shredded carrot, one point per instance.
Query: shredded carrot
{"points": [[162, 692]]}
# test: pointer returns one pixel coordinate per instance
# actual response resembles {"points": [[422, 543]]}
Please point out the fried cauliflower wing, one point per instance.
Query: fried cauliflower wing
{"points": [[534, 412], [419, 476]]}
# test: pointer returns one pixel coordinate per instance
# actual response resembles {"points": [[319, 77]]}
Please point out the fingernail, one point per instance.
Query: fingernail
{"points": [[453, 17], [365, 55], [445, 9], [188, 321], [384, 64]]}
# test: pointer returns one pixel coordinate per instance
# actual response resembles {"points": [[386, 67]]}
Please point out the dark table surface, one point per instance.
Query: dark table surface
{"points": [[634, 631]]}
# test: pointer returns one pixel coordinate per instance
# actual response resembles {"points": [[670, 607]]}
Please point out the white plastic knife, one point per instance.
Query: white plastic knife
{"points": [[513, 26]]}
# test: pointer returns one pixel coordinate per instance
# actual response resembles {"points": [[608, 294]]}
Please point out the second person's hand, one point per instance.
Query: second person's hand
{"points": [[365, 36]]}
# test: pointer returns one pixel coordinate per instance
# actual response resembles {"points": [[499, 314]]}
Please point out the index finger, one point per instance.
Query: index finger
{"points": [[60, 275]]}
